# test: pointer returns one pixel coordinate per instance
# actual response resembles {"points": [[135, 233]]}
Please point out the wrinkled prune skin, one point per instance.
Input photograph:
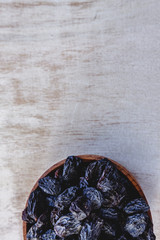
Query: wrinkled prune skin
{"points": [[50, 185], [94, 171], [67, 225], [113, 199], [109, 213], [50, 201], [108, 230], [55, 215], [39, 227], [26, 217], [94, 196], [65, 198], [80, 208], [136, 224], [36, 206], [136, 206], [49, 235], [72, 168], [91, 230], [83, 183], [87, 201]]}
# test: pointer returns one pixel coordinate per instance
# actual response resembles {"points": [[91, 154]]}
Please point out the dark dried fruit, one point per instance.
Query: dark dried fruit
{"points": [[36, 206], [136, 224], [26, 217], [39, 227], [67, 225], [65, 198], [87, 201], [49, 235], [136, 206], [108, 230], [50, 200], [55, 215], [50, 185], [80, 208], [94, 196], [109, 213], [91, 230], [83, 183], [72, 168]]}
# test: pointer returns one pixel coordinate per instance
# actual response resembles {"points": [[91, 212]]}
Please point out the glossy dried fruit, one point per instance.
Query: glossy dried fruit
{"points": [[91, 230], [67, 225], [65, 198], [50, 185], [50, 201], [55, 215], [108, 230], [39, 227], [87, 201], [72, 168], [136, 224], [80, 208], [109, 213], [49, 235], [136, 205], [83, 183], [94, 196], [36, 206]]}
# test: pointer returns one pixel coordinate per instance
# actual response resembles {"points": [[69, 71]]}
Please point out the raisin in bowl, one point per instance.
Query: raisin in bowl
{"points": [[87, 197]]}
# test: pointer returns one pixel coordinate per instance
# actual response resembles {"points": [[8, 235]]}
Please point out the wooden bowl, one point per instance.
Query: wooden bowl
{"points": [[87, 158]]}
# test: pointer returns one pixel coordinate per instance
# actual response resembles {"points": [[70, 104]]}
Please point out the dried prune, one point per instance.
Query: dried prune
{"points": [[136, 205], [26, 217], [136, 224], [67, 225], [83, 183], [113, 199], [50, 200], [36, 206], [72, 168], [94, 196], [55, 215], [50, 185], [49, 235], [91, 230], [80, 208], [109, 213], [39, 227], [87, 201], [108, 230], [65, 198], [94, 171]]}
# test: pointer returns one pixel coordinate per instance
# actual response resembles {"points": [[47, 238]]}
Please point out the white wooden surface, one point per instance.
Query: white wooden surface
{"points": [[77, 77]]}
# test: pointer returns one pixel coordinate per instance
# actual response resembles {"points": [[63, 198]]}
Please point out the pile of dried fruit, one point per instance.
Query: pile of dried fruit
{"points": [[87, 201]]}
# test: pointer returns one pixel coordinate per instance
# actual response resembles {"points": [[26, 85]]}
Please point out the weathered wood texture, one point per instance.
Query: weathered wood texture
{"points": [[77, 77]]}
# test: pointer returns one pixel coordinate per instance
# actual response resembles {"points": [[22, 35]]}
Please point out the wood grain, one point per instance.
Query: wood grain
{"points": [[77, 77]]}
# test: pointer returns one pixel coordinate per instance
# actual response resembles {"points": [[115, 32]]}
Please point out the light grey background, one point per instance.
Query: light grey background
{"points": [[77, 77]]}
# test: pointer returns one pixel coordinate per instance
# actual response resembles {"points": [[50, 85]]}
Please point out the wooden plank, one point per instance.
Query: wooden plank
{"points": [[77, 77]]}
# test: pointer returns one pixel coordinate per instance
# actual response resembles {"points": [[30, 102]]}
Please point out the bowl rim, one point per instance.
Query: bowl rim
{"points": [[87, 158]]}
